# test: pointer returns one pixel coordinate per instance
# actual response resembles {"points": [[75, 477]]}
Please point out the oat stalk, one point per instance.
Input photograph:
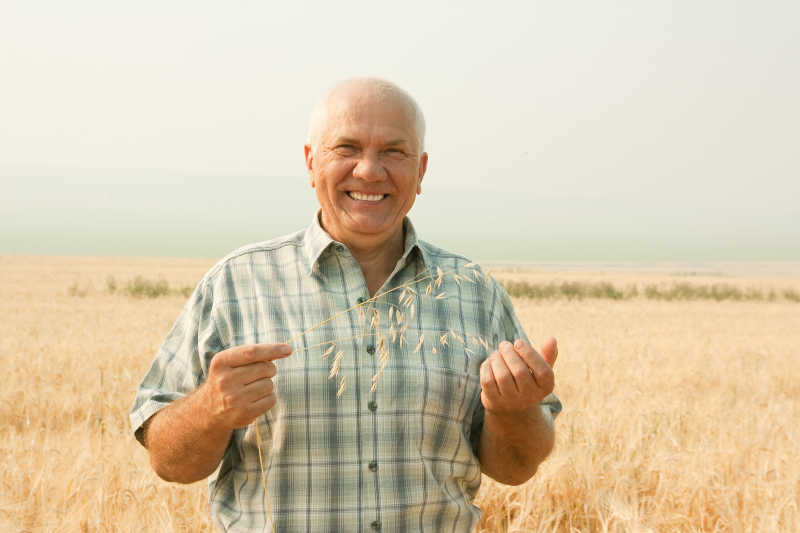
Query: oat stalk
{"points": [[407, 298]]}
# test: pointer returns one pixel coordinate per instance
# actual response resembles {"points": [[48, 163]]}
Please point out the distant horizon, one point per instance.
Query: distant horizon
{"points": [[688, 268]]}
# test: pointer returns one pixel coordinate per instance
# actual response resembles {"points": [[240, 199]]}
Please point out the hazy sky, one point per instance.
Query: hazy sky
{"points": [[556, 130]]}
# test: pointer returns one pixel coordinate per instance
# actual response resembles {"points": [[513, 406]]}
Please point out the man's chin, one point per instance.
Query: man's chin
{"points": [[369, 232]]}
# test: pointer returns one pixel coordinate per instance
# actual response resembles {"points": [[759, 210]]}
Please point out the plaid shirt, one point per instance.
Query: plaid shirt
{"points": [[399, 456]]}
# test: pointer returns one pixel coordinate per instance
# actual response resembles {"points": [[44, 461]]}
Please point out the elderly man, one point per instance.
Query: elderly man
{"points": [[434, 383]]}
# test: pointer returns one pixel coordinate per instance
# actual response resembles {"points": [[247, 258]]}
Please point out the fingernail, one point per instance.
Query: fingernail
{"points": [[518, 343], [505, 344], [285, 349]]}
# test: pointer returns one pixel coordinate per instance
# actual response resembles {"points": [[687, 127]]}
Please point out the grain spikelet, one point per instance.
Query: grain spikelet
{"points": [[428, 289], [456, 336], [484, 343], [342, 386], [439, 276], [443, 340], [335, 365], [440, 296], [382, 344], [329, 351], [433, 350], [419, 344], [377, 376]]}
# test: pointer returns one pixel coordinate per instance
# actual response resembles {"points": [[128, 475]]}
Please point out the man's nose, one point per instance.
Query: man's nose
{"points": [[369, 168]]}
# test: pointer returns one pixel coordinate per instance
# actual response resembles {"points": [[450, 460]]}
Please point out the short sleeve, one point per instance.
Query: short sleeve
{"points": [[505, 326], [181, 363]]}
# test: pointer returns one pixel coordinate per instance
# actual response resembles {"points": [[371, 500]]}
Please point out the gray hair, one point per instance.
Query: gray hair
{"points": [[381, 87]]}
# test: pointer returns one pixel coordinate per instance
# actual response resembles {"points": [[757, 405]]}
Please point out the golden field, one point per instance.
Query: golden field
{"points": [[679, 416]]}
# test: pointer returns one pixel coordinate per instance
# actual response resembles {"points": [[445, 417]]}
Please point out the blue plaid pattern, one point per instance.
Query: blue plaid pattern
{"points": [[395, 457]]}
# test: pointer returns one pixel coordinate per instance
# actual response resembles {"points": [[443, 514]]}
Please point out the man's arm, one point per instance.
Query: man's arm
{"points": [[187, 439], [517, 431]]}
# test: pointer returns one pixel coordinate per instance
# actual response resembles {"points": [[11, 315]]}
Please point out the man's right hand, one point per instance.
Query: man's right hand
{"points": [[239, 387]]}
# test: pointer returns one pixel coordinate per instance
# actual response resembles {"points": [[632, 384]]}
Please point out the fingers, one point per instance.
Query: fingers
{"points": [[255, 409], [252, 353], [550, 351], [488, 382], [515, 368], [263, 405], [506, 381], [540, 368], [257, 390], [239, 385], [253, 372]]}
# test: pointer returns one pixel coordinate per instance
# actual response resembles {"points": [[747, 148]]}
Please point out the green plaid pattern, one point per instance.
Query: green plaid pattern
{"points": [[399, 458]]}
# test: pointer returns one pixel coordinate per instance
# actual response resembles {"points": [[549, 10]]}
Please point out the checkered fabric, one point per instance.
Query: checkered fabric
{"points": [[397, 457]]}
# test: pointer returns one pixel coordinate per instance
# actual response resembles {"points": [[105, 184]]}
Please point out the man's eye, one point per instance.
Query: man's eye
{"points": [[395, 151], [345, 149]]}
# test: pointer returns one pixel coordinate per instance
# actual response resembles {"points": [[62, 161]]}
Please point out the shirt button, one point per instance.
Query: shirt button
{"points": [[376, 525], [373, 466], [371, 349], [373, 405]]}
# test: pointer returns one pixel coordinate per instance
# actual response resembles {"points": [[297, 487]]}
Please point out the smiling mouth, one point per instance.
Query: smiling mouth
{"points": [[365, 197]]}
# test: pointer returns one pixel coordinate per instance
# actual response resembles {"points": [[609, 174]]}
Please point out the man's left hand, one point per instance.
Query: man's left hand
{"points": [[515, 376]]}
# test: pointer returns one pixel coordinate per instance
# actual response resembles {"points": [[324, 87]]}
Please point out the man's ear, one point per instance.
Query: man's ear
{"points": [[423, 166], [309, 155]]}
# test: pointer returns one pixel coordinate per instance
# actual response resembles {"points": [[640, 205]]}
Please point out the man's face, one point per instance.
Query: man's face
{"points": [[367, 169]]}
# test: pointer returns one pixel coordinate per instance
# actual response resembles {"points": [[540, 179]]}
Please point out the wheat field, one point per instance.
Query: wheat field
{"points": [[678, 416]]}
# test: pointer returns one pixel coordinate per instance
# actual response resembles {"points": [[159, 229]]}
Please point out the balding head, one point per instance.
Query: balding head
{"points": [[354, 91]]}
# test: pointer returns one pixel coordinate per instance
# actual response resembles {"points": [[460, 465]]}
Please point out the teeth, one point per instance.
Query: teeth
{"points": [[368, 197]]}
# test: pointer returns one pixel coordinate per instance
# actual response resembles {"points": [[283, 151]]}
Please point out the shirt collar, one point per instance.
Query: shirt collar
{"points": [[317, 241]]}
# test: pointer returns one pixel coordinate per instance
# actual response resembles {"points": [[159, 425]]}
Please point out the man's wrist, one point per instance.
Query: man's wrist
{"points": [[210, 422], [511, 417]]}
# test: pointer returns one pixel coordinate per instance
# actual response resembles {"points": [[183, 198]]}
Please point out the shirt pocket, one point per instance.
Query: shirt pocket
{"points": [[448, 404], [450, 394]]}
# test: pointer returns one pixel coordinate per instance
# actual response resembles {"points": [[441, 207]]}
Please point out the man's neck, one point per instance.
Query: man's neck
{"points": [[377, 262]]}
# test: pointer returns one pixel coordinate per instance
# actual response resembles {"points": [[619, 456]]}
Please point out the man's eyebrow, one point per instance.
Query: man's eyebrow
{"points": [[395, 142], [345, 140]]}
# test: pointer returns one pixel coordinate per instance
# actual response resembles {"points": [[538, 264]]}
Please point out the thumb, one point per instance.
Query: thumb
{"points": [[550, 351]]}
